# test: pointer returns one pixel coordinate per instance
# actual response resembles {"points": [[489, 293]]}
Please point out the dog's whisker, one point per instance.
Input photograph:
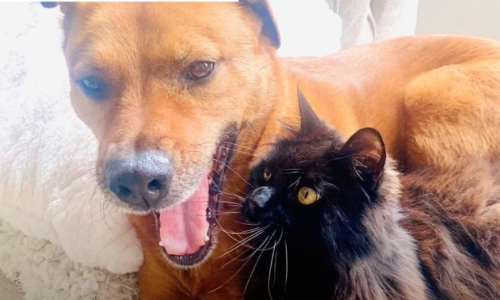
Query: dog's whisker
{"points": [[241, 146], [230, 169]]}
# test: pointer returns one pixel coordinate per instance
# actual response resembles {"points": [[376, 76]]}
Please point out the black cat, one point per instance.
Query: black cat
{"points": [[338, 224]]}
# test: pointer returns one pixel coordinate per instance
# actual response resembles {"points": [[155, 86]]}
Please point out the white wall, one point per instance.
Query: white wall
{"points": [[465, 17]]}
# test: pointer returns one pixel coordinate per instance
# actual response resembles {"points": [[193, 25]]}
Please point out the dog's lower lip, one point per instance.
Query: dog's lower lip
{"points": [[189, 260], [222, 157]]}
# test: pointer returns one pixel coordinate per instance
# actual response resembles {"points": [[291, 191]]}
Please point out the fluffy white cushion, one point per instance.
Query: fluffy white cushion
{"points": [[47, 186]]}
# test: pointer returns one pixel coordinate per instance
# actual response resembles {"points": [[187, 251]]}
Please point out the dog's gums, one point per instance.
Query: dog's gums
{"points": [[185, 229]]}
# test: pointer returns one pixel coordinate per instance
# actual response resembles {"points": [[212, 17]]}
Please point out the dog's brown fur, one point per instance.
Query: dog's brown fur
{"points": [[432, 98]]}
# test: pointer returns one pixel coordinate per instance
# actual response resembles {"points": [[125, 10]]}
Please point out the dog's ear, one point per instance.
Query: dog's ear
{"points": [[262, 10], [366, 153], [65, 7], [309, 120], [49, 4]]}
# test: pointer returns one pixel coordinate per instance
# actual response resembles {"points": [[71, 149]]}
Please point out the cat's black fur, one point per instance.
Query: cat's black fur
{"points": [[326, 238], [373, 234]]}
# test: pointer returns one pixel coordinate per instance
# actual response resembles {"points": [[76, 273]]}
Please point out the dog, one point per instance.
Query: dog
{"points": [[185, 97]]}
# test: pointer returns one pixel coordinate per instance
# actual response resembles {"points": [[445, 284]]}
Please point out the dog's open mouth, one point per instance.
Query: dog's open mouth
{"points": [[186, 229]]}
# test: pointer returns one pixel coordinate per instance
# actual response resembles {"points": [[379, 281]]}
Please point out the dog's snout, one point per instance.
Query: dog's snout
{"points": [[141, 181]]}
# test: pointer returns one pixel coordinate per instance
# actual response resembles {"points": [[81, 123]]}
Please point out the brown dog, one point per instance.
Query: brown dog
{"points": [[172, 91]]}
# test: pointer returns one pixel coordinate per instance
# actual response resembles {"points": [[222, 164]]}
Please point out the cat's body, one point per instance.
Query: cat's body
{"points": [[344, 227], [454, 216]]}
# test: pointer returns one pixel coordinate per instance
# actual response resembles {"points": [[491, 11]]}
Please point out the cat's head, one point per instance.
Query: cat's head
{"points": [[315, 179]]}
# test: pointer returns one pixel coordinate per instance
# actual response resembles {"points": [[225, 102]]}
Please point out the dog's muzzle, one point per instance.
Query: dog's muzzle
{"points": [[140, 181]]}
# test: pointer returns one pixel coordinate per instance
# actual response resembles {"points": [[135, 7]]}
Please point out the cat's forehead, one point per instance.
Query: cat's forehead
{"points": [[292, 153]]}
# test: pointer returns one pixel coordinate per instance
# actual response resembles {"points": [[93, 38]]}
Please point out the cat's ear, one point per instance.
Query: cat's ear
{"points": [[308, 118], [366, 153]]}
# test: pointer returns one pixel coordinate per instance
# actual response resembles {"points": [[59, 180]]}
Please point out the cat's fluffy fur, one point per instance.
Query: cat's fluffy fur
{"points": [[392, 270], [454, 216], [432, 234]]}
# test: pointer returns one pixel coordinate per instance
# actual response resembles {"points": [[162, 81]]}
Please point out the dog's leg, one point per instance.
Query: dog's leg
{"points": [[453, 112]]}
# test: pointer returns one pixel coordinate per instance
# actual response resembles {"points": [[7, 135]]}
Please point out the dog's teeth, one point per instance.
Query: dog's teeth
{"points": [[207, 239], [161, 244]]}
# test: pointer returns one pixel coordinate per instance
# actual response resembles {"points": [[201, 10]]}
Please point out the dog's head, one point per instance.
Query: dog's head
{"points": [[169, 89]]}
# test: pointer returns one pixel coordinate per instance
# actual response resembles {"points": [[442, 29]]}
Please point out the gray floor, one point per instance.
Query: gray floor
{"points": [[8, 290]]}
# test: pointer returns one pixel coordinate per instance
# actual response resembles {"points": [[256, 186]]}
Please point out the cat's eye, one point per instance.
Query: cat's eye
{"points": [[307, 196], [267, 175]]}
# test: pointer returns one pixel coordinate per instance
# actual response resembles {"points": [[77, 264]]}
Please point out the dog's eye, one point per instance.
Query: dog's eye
{"points": [[200, 69], [93, 87]]}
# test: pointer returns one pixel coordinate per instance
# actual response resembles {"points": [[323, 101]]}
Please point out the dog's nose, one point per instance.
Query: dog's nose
{"points": [[142, 180]]}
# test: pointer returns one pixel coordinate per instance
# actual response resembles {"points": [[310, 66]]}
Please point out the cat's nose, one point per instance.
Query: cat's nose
{"points": [[257, 200]]}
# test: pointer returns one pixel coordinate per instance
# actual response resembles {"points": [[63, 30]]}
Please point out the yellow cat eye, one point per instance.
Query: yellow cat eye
{"points": [[267, 175], [307, 196]]}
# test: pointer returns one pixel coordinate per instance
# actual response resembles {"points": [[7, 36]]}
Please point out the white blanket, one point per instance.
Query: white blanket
{"points": [[47, 186], [47, 155]]}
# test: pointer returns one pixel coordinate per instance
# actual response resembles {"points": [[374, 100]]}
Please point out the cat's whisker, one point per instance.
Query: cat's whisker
{"points": [[338, 158], [236, 273], [296, 183], [237, 257], [268, 239], [271, 267], [271, 237], [231, 205], [230, 232], [356, 163], [243, 242], [233, 196], [275, 261], [230, 202], [286, 267], [364, 191], [291, 172], [248, 231], [246, 223]]}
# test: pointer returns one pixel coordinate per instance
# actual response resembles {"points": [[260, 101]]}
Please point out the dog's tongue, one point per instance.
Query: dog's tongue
{"points": [[184, 226]]}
